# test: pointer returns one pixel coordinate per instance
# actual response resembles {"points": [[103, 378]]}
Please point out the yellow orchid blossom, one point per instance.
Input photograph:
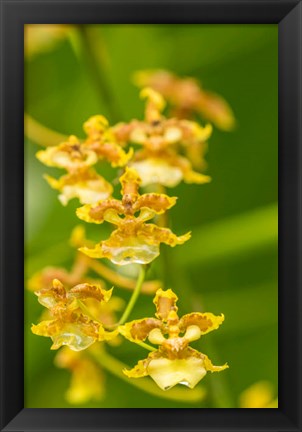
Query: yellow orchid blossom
{"points": [[174, 362], [99, 144], [72, 323], [187, 97], [105, 312], [71, 155], [163, 141], [81, 181], [134, 240], [103, 142]]}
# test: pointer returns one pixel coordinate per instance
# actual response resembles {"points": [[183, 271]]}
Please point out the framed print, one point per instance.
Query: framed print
{"points": [[151, 195]]}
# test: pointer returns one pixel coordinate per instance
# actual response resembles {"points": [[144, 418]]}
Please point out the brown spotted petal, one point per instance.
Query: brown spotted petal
{"points": [[130, 182], [206, 322], [157, 202], [85, 290], [165, 302], [96, 213], [139, 329], [156, 235], [49, 297]]}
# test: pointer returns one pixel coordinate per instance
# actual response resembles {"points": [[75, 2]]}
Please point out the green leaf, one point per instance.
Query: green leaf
{"points": [[232, 237]]}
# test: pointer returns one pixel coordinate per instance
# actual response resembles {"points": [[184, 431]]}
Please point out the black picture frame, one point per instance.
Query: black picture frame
{"points": [[16, 13]]}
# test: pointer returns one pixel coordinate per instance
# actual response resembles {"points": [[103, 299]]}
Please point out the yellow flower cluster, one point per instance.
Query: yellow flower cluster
{"points": [[169, 148], [155, 152]]}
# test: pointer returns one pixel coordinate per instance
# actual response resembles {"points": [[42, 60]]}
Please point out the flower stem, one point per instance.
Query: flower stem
{"points": [[144, 345], [134, 297]]}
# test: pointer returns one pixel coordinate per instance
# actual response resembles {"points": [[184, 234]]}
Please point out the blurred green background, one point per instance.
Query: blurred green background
{"points": [[230, 264]]}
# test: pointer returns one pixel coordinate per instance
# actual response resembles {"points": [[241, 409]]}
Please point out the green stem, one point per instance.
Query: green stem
{"points": [[115, 367], [134, 297], [145, 345], [95, 59]]}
